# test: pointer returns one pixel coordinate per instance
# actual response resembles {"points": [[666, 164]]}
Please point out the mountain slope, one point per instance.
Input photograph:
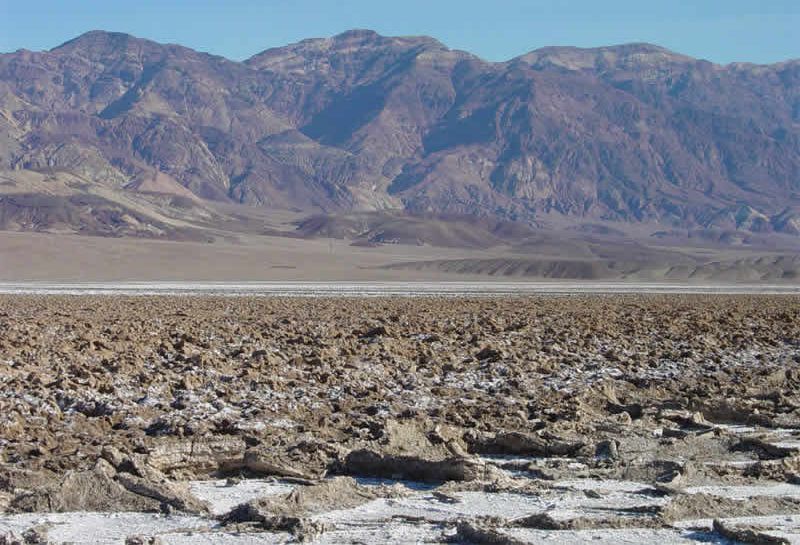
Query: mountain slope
{"points": [[633, 134]]}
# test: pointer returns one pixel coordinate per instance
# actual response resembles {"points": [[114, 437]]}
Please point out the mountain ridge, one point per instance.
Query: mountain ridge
{"points": [[634, 134], [366, 32]]}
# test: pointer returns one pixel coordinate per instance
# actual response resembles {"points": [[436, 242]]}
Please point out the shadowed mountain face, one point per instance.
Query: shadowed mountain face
{"points": [[633, 133]]}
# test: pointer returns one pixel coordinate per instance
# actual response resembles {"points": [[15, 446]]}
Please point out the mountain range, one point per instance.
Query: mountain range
{"points": [[113, 134]]}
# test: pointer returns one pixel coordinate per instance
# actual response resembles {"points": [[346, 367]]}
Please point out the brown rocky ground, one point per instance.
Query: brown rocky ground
{"points": [[112, 403]]}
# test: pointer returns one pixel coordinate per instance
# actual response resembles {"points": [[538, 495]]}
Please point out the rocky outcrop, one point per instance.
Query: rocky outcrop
{"points": [[37, 535], [143, 540], [96, 489], [745, 534], [369, 463], [526, 444], [130, 486], [705, 506], [196, 457], [260, 462], [291, 512], [483, 534], [406, 450]]}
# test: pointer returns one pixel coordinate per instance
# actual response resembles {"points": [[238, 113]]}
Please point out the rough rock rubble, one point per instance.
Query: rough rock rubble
{"points": [[114, 403]]}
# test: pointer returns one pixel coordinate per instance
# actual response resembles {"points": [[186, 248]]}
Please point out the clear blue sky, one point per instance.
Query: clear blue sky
{"points": [[718, 30]]}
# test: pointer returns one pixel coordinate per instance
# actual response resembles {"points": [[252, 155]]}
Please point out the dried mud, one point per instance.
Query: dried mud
{"points": [[583, 415]]}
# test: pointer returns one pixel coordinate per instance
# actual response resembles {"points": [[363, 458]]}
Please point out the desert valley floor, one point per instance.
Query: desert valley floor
{"points": [[246, 258], [368, 289], [624, 418]]}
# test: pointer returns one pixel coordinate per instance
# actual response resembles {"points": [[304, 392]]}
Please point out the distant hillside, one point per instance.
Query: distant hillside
{"points": [[632, 134]]}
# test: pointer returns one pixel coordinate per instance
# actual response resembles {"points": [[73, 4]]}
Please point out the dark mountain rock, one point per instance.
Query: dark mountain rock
{"points": [[632, 133]]}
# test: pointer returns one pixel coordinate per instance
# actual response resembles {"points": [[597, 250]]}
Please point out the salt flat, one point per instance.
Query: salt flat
{"points": [[381, 289], [622, 418]]}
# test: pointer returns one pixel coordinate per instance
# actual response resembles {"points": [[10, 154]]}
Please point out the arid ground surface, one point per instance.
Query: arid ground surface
{"points": [[610, 419], [47, 257]]}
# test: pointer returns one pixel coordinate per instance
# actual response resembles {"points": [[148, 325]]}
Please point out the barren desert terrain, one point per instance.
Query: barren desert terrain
{"points": [[47, 257], [558, 418]]}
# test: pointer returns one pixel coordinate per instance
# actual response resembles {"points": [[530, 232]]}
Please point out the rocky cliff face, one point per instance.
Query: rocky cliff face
{"points": [[633, 133]]}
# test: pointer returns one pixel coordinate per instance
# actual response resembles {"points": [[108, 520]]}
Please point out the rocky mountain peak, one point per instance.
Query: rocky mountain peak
{"points": [[352, 46], [358, 34], [99, 44], [630, 55], [361, 37]]}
